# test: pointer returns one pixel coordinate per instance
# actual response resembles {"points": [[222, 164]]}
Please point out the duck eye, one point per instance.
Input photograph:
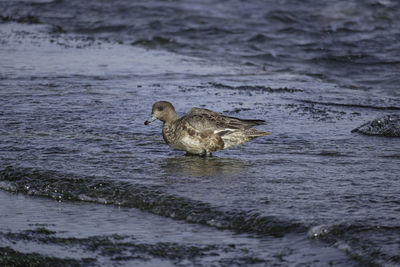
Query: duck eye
{"points": [[160, 108]]}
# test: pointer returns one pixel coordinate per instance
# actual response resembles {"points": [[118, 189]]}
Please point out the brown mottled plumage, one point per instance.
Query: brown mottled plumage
{"points": [[203, 131]]}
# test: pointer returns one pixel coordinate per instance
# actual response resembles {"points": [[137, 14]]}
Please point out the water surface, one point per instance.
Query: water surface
{"points": [[85, 182]]}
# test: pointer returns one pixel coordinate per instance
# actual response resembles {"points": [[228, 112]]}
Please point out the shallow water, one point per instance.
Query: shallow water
{"points": [[88, 182]]}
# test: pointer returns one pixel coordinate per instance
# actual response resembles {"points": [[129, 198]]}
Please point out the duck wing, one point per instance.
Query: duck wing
{"points": [[203, 119]]}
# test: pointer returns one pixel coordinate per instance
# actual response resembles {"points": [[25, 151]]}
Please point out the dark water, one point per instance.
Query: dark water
{"points": [[85, 183]]}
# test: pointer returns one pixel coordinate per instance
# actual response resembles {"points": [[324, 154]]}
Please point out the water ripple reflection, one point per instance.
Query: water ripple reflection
{"points": [[194, 166]]}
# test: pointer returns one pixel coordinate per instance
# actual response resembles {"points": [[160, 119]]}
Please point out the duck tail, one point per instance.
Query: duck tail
{"points": [[260, 133], [254, 122]]}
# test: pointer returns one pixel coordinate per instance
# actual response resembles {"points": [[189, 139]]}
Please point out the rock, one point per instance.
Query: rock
{"points": [[388, 126]]}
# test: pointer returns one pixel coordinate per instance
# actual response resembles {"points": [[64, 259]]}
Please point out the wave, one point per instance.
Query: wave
{"points": [[359, 59], [102, 29], [149, 198], [121, 249], [30, 19], [350, 105], [256, 88], [282, 16], [159, 41], [259, 38], [11, 257], [360, 241]]}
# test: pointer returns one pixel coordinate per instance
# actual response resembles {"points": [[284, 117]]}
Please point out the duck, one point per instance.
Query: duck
{"points": [[202, 131]]}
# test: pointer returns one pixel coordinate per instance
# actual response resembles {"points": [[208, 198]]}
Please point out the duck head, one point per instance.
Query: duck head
{"points": [[164, 111]]}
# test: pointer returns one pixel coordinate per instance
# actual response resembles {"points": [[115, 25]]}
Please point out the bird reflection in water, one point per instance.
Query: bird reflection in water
{"points": [[194, 166]]}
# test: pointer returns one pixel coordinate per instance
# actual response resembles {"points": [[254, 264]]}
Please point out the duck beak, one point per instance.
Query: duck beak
{"points": [[152, 118]]}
